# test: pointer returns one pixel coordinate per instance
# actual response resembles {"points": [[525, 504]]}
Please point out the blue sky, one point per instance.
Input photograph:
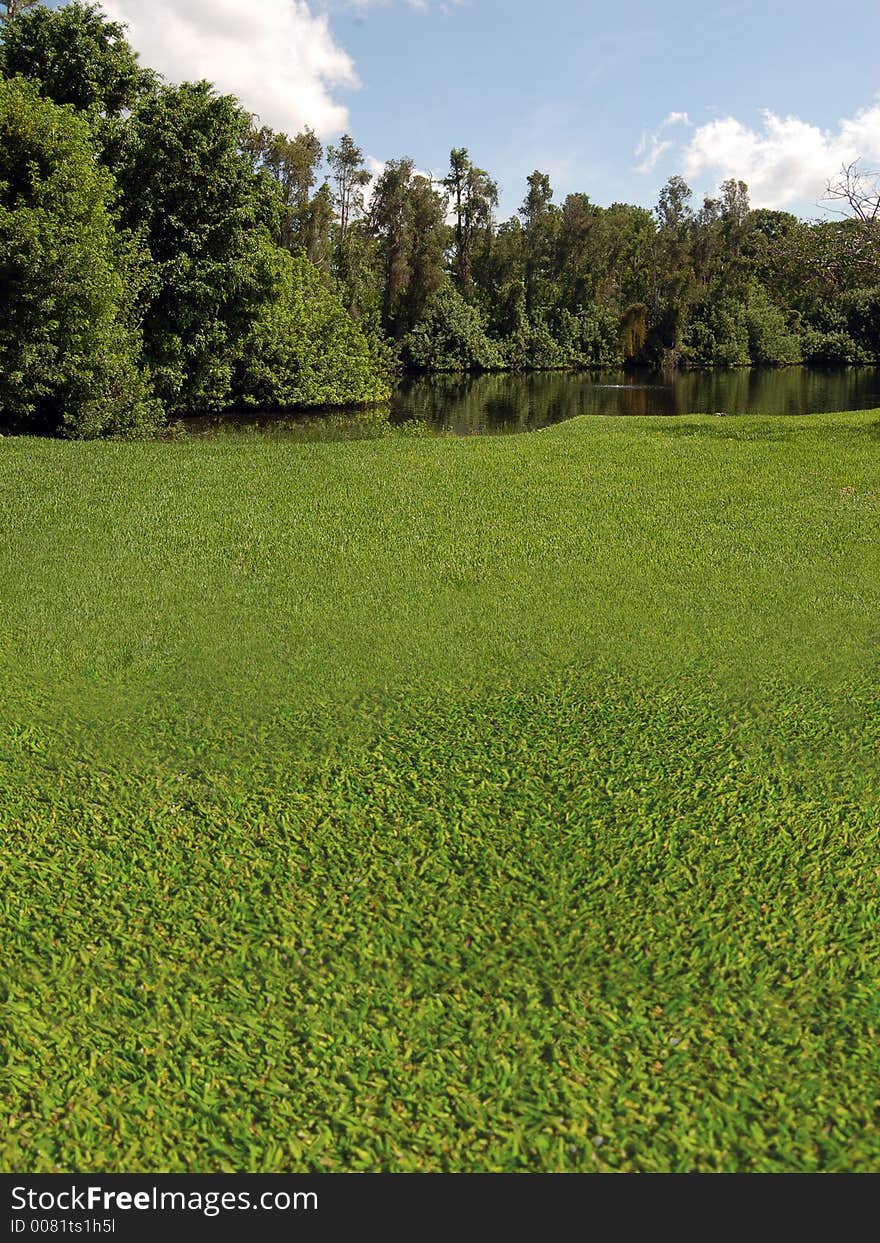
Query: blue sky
{"points": [[608, 98]]}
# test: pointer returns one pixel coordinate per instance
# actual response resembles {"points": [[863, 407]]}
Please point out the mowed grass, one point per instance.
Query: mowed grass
{"points": [[428, 804]]}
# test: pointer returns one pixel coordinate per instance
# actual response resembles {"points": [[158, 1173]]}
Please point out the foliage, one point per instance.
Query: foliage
{"points": [[861, 311], [771, 337], [203, 197], [473, 196], [833, 345], [303, 349], [450, 337], [324, 852], [76, 56], [591, 338], [292, 163], [69, 351], [532, 347], [717, 335], [206, 216], [407, 219]]}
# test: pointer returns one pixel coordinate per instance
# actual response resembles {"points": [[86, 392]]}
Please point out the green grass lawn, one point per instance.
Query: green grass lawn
{"points": [[505, 803]]}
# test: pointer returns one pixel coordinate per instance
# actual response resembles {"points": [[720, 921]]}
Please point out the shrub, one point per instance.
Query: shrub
{"points": [[451, 337], [717, 336], [303, 349], [771, 340], [862, 311], [832, 346], [591, 338], [76, 56]]}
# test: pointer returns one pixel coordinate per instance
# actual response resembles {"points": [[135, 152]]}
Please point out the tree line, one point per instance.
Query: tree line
{"points": [[162, 253]]}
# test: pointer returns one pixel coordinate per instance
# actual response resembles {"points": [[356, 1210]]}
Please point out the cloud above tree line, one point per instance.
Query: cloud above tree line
{"points": [[785, 160], [279, 57], [282, 59]]}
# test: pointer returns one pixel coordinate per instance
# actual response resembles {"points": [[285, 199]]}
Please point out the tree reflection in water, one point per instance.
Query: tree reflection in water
{"points": [[466, 405]]}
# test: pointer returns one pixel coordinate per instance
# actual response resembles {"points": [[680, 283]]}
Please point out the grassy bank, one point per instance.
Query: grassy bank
{"points": [[500, 803]]}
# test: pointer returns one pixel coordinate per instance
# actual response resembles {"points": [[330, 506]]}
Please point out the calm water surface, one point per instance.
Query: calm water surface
{"points": [[467, 405], [514, 403]]}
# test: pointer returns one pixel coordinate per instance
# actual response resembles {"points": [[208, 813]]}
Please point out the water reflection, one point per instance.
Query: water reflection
{"points": [[466, 405], [512, 403]]}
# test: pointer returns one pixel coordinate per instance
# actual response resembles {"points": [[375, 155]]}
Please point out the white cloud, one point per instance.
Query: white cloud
{"points": [[787, 161], [653, 146], [422, 5], [278, 56]]}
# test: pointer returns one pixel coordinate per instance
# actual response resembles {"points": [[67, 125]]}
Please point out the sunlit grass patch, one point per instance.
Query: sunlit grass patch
{"points": [[428, 804]]}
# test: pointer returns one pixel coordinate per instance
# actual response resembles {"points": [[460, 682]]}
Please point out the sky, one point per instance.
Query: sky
{"points": [[608, 98]]}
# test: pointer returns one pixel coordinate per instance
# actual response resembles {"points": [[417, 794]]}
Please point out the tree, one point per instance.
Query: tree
{"points": [[451, 337], [292, 163], [16, 7], [353, 253], [474, 197], [673, 265], [302, 349], [70, 352], [540, 219], [859, 190], [346, 162], [407, 219], [318, 229], [76, 56], [204, 214], [579, 229]]}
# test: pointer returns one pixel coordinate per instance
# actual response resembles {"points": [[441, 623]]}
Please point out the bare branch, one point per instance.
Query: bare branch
{"points": [[859, 189]]}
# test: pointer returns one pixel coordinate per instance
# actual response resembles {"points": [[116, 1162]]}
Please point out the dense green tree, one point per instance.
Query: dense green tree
{"points": [[451, 336], [204, 213], [354, 255], [407, 218], [540, 224], [76, 56], [627, 237], [674, 275], [578, 254], [69, 346]]}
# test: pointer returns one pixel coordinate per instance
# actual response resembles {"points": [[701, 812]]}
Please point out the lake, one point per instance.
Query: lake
{"points": [[512, 402], [465, 405]]}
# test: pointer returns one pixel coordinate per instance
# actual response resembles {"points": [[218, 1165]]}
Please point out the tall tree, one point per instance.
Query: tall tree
{"points": [[673, 266], [318, 229], [407, 218], [69, 349], [540, 218], [350, 177], [209, 221], [292, 163], [474, 197]]}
